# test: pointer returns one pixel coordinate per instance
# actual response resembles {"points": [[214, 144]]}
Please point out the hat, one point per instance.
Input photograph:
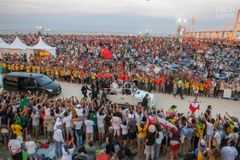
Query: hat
{"points": [[152, 128], [202, 142]]}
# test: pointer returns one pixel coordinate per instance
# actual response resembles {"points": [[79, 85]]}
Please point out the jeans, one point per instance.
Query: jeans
{"points": [[149, 151], [78, 139], [157, 148], [58, 149]]}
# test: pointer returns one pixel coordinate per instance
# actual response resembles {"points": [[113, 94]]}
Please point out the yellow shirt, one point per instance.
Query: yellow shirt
{"points": [[199, 130], [34, 68], [17, 129], [4, 65], [186, 84], [201, 86], [62, 72], [28, 68], [75, 73], [38, 69], [142, 132], [16, 67], [21, 67]]}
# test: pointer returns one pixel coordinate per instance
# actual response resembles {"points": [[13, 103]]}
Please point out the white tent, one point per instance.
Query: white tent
{"points": [[17, 44], [42, 45], [3, 44]]}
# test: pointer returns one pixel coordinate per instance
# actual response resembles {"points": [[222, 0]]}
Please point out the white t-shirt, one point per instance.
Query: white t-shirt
{"points": [[47, 111], [89, 126], [116, 121], [100, 120], [31, 147], [160, 138], [218, 136], [67, 120], [66, 155], [78, 124], [79, 111], [138, 118], [58, 135], [15, 145], [210, 129], [124, 129], [233, 136], [35, 119]]}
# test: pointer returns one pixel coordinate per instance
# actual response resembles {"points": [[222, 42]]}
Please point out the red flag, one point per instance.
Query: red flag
{"points": [[105, 53], [193, 107]]}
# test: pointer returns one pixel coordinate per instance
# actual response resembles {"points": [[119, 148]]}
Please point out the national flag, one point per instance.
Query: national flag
{"points": [[194, 106], [105, 53], [166, 124], [44, 53]]}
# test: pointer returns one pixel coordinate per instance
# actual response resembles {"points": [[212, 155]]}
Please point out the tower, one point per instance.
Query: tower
{"points": [[236, 26]]}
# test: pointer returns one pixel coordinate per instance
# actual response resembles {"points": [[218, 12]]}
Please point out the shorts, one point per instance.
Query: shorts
{"points": [[33, 155], [124, 137], [101, 129], [140, 139], [174, 148], [116, 132]]}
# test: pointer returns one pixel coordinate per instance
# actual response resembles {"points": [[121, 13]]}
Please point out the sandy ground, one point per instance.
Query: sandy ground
{"points": [[164, 101]]}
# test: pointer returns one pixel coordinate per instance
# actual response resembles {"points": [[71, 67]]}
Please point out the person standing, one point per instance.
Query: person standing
{"points": [[14, 148], [31, 147], [229, 152], [84, 90], [150, 141], [145, 102], [158, 142], [58, 140]]}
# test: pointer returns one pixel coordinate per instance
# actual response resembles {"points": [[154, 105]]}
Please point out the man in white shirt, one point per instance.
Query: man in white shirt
{"points": [[158, 142], [58, 139], [35, 123], [67, 121], [14, 148], [217, 138], [229, 152], [116, 121], [100, 122], [89, 128]]}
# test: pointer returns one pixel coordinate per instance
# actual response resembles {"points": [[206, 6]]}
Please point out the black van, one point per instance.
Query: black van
{"points": [[22, 81]]}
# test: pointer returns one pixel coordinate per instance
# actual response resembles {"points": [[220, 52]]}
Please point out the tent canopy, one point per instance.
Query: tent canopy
{"points": [[17, 44], [3, 44], [43, 46]]}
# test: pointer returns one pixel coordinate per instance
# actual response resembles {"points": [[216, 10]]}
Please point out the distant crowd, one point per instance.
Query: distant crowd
{"points": [[202, 67]]}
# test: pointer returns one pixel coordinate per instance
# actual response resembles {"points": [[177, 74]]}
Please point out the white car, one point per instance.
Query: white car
{"points": [[130, 94]]}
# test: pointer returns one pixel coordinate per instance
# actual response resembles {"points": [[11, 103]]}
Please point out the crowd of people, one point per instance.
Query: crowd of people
{"points": [[79, 126], [203, 67]]}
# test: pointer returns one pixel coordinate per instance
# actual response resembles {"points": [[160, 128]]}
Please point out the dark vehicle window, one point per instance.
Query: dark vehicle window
{"points": [[43, 80], [13, 81]]}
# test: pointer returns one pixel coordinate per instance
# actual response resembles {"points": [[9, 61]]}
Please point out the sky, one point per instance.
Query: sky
{"points": [[115, 16]]}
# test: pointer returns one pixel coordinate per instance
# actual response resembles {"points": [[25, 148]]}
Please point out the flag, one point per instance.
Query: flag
{"points": [[166, 124], [105, 53], [44, 53], [194, 106]]}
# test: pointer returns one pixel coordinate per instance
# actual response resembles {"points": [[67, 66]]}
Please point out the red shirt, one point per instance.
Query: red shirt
{"points": [[99, 75]]}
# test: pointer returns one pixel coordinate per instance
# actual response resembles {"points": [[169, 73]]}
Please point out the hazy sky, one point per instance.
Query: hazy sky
{"points": [[115, 16]]}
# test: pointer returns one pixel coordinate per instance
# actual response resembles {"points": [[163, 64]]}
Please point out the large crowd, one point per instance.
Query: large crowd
{"points": [[79, 126], [203, 67]]}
